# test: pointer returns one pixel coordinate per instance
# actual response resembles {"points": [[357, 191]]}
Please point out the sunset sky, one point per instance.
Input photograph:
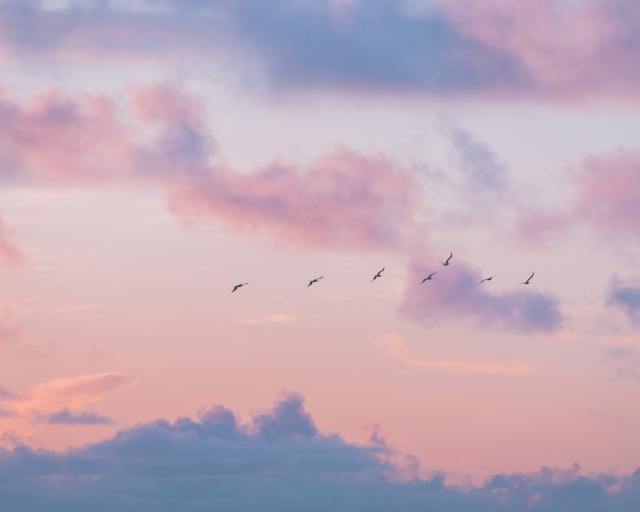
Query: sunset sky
{"points": [[153, 154]]}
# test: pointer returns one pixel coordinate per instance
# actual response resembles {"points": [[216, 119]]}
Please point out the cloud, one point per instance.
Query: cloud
{"points": [[485, 176], [9, 327], [66, 417], [609, 192], [9, 254], [398, 349], [456, 293], [344, 200], [278, 461], [625, 296], [551, 49], [627, 363], [57, 396]]}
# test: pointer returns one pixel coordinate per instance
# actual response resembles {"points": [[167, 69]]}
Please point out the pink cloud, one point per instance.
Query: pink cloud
{"points": [[9, 254], [609, 192], [345, 200], [397, 348], [9, 327], [566, 49], [71, 392], [606, 198]]}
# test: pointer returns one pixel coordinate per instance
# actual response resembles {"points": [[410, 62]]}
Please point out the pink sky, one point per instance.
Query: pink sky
{"points": [[148, 165]]}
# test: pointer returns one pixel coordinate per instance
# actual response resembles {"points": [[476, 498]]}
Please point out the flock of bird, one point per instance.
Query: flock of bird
{"points": [[378, 275]]}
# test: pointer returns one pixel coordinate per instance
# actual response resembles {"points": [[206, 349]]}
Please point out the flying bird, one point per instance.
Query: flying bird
{"points": [[429, 277], [238, 286], [447, 262], [378, 274], [490, 278], [314, 281], [528, 281]]}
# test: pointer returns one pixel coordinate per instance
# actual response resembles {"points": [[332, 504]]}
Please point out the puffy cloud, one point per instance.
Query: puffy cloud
{"points": [[549, 48], [67, 417], [217, 463], [343, 200], [606, 198], [456, 293]]}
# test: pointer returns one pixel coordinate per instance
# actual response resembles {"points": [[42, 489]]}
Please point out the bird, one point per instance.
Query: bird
{"points": [[314, 281], [528, 281], [378, 274], [238, 286], [429, 277], [487, 279], [447, 262]]}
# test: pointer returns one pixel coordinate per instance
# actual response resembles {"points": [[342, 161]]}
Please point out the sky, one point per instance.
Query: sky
{"points": [[154, 154]]}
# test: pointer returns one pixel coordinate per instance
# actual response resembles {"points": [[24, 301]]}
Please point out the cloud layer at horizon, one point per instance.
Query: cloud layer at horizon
{"points": [[278, 461]]}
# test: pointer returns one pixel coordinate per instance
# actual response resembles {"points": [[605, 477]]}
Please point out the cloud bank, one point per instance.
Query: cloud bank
{"points": [[278, 461], [551, 49]]}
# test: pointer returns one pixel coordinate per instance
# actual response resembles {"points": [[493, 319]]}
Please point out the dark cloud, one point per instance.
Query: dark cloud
{"points": [[279, 462], [456, 293], [67, 417]]}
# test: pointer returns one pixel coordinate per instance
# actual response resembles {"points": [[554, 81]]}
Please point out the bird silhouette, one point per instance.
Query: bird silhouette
{"points": [[490, 278], [429, 277], [314, 281], [447, 262], [238, 286], [528, 281], [378, 274]]}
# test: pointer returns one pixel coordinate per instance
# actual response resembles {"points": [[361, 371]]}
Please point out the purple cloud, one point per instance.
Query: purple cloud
{"points": [[626, 296], [547, 49], [216, 463], [67, 417], [456, 293]]}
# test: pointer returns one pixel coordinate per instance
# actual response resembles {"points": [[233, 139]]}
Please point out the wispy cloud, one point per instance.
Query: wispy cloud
{"points": [[70, 393], [9, 254], [67, 417], [625, 295], [273, 318], [397, 348]]}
